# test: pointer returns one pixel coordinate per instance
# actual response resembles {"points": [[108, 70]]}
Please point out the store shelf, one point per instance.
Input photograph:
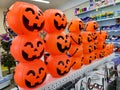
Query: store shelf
{"points": [[107, 19], [113, 30], [97, 8], [53, 85], [113, 42]]}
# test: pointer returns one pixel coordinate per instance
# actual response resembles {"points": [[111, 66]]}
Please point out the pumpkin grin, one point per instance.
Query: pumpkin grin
{"points": [[34, 27], [59, 27], [62, 73], [25, 56], [63, 49], [28, 84]]}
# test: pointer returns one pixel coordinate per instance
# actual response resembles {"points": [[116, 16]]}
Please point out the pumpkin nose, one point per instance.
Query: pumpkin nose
{"points": [[65, 66], [62, 19], [36, 17], [65, 40], [37, 77], [35, 49]]}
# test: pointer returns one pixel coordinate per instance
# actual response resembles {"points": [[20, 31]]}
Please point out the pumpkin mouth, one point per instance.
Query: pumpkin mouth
{"points": [[79, 41], [95, 27], [28, 84], [59, 27], [25, 56], [31, 28], [60, 73], [80, 27], [63, 49]]}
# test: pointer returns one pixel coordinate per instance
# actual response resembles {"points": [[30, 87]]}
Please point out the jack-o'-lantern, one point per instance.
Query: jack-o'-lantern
{"points": [[101, 45], [88, 58], [94, 36], [101, 53], [102, 35], [76, 50], [75, 38], [30, 76], [88, 48], [77, 62], [58, 65], [25, 18], [91, 26], [76, 26], [96, 55], [109, 48], [26, 48], [58, 43], [86, 37], [55, 20], [95, 45]]}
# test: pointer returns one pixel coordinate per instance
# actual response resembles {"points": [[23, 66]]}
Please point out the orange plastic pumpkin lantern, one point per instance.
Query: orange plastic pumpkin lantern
{"points": [[58, 65], [26, 48], [55, 21], [76, 26], [88, 48], [86, 37], [91, 26], [58, 43], [25, 18], [77, 62], [88, 58], [101, 45], [102, 36], [30, 76]]}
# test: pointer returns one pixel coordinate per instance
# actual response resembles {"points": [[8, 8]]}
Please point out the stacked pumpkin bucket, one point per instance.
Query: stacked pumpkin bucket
{"points": [[67, 51]]}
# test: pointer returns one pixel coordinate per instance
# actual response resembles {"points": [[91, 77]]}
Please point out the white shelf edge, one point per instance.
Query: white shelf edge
{"points": [[77, 73], [112, 30], [97, 8], [113, 42]]}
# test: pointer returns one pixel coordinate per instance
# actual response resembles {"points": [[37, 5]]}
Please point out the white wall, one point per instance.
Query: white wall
{"points": [[1, 21]]}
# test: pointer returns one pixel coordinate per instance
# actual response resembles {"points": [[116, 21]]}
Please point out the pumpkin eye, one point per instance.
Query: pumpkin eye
{"points": [[40, 13], [41, 69], [38, 43], [60, 37], [29, 9], [31, 72], [29, 44], [67, 61], [57, 14], [60, 63]]}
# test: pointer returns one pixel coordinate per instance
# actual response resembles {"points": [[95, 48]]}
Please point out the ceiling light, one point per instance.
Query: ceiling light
{"points": [[43, 1]]}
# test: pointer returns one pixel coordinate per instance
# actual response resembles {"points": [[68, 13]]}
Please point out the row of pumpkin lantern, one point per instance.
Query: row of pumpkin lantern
{"points": [[66, 51]]}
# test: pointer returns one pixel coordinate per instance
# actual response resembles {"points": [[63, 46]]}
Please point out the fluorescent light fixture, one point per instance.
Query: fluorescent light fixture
{"points": [[43, 1]]}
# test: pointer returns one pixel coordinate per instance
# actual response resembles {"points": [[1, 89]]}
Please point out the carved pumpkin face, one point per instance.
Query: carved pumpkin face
{"points": [[88, 58], [77, 62], [88, 48], [26, 48], [76, 26], [101, 53], [101, 45], [25, 18], [55, 20], [91, 26], [75, 38], [30, 76], [58, 65], [102, 35], [57, 43], [94, 36], [86, 37]]}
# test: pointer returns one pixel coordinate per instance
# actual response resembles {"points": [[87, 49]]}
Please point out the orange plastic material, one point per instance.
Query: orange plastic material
{"points": [[102, 36], [88, 58], [30, 76], [101, 45], [25, 18], [86, 37], [77, 62], [58, 65], [88, 48], [91, 26], [58, 43], [55, 21], [26, 48], [76, 25], [101, 53], [76, 50]]}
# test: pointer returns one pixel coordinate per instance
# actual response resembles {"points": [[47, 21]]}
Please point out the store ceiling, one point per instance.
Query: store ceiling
{"points": [[42, 6]]}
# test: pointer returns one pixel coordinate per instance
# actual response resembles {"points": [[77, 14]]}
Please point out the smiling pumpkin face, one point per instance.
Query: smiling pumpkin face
{"points": [[76, 26], [57, 43], [58, 65], [25, 18], [55, 21], [27, 48], [30, 75]]}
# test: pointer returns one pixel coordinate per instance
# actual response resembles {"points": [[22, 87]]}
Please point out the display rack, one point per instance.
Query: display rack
{"points": [[53, 85]]}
